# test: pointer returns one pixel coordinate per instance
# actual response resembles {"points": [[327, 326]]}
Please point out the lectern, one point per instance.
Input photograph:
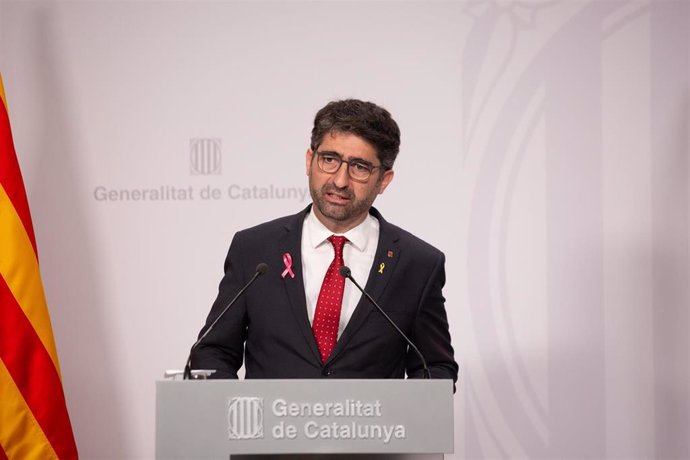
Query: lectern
{"points": [[304, 419]]}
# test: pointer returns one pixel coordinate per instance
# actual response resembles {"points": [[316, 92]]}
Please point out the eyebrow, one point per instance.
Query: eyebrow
{"points": [[361, 160]]}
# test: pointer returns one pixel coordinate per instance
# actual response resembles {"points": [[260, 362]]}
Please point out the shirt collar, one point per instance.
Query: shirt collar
{"points": [[359, 236]]}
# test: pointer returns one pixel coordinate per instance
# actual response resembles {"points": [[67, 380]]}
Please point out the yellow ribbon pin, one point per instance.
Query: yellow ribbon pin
{"points": [[381, 267]]}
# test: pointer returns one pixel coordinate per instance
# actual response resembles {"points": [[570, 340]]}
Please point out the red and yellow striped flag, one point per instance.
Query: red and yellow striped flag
{"points": [[34, 423]]}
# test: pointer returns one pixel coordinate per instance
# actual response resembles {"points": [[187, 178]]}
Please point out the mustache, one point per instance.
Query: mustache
{"points": [[344, 191]]}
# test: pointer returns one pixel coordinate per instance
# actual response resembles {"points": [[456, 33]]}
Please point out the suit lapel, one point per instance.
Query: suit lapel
{"points": [[382, 271], [291, 243]]}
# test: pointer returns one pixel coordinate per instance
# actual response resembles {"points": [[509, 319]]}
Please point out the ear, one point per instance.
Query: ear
{"points": [[309, 157], [387, 178]]}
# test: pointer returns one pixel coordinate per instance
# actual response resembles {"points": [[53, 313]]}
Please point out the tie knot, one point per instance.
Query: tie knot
{"points": [[338, 242]]}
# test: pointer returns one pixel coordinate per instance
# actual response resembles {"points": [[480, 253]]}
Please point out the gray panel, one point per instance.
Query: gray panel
{"points": [[338, 457], [213, 419]]}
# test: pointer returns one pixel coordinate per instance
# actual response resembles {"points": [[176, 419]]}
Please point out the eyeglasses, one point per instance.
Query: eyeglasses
{"points": [[359, 170]]}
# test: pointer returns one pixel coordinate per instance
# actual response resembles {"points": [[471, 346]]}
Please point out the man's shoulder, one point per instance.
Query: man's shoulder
{"points": [[409, 241], [280, 224]]}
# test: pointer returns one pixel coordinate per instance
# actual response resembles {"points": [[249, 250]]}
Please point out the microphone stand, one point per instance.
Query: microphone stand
{"points": [[345, 272]]}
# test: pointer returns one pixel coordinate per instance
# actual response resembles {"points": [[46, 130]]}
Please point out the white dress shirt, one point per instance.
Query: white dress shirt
{"points": [[318, 254]]}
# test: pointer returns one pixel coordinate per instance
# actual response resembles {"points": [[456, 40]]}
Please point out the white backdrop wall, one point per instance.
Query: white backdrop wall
{"points": [[545, 151]]}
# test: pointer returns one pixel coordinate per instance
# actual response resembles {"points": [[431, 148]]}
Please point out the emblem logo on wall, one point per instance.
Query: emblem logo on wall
{"points": [[205, 156], [245, 418]]}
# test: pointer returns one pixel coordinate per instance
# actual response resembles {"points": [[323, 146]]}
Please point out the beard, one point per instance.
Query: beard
{"points": [[341, 213]]}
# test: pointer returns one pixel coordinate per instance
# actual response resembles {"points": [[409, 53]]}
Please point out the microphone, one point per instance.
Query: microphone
{"points": [[261, 269], [345, 272]]}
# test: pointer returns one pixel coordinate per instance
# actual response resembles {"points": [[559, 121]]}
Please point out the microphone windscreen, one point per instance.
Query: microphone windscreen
{"points": [[262, 268], [345, 271]]}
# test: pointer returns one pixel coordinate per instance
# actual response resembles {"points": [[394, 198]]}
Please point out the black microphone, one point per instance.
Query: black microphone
{"points": [[261, 269], [345, 272]]}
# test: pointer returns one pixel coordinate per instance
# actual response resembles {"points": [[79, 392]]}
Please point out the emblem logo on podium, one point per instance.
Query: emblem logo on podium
{"points": [[245, 418]]}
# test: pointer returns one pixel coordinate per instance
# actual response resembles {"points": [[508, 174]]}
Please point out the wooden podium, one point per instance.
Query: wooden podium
{"points": [[304, 419]]}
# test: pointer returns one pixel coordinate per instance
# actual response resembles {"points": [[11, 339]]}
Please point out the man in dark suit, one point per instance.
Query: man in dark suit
{"points": [[302, 319]]}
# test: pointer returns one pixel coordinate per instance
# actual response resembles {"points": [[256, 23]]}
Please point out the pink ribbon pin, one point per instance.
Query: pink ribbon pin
{"points": [[287, 260]]}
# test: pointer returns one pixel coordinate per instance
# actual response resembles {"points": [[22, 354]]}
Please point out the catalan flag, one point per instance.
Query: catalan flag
{"points": [[34, 423]]}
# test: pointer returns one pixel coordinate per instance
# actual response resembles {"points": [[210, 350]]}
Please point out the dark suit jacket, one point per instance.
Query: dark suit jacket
{"points": [[270, 327]]}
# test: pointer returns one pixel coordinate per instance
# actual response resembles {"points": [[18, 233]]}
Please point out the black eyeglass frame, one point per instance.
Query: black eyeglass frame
{"points": [[350, 163]]}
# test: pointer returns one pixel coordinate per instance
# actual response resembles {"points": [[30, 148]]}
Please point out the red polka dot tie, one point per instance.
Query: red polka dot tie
{"points": [[327, 314]]}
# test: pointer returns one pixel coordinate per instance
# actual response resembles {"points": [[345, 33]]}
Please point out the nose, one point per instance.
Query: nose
{"points": [[341, 178]]}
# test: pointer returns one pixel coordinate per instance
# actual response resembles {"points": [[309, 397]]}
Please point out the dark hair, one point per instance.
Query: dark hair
{"points": [[364, 119]]}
